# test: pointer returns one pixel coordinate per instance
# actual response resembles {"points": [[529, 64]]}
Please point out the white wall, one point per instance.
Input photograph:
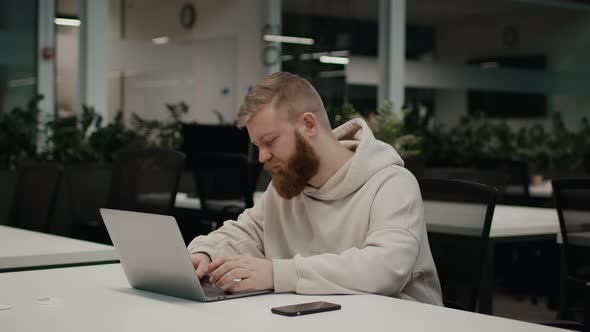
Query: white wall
{"points": [[67, 52], [564, 37], [210, 66], [572, 54]]}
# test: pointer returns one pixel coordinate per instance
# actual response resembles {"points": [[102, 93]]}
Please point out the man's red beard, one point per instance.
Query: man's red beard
{"points": [[289, 180]]}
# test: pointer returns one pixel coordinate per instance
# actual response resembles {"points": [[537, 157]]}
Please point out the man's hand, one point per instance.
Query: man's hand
{"points": [[255, 273], [200, 262]]}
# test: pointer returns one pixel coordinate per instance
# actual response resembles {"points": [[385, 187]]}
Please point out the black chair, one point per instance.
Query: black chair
{"points": [[141, 181], [8, 185], [416, 165], [204, 138], [443, 172], [572, 201], [582, 287], [146, 180], [225, 185], [35, 195], [85, 191], [459, 216], [495, 179], [518, 180]]}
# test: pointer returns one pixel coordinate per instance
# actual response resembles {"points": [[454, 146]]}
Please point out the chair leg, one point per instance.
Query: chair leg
{"points": [[563, 314], [587, 307]]}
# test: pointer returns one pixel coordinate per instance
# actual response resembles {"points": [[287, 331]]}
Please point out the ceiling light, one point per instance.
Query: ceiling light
{"points": [[288, 40], [160, 40], [334, 60], [72, 22]]}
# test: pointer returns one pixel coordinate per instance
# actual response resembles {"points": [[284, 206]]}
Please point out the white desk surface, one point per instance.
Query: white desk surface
{"points": [[508, 220], [523, 221], [98, 298], [511, 221], [194, 203], [21, 248], [543, 190]]}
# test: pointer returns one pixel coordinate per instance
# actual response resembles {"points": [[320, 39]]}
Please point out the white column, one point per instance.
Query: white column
{"points": [[392, 51], [46, 57], [274, 26], [94, 64]]}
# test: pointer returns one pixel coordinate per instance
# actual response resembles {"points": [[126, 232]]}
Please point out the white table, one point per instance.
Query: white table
{"points": [[98, 298], [509, 224], [543, 190], [22, 250], [194, 203], [509, 221]]}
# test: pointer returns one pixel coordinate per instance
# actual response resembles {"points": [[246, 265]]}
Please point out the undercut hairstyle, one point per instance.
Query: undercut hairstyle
{"points": [[290, 94]]}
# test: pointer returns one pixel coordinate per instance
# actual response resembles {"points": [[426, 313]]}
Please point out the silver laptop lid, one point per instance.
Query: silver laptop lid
{"points": [[152, 253]]}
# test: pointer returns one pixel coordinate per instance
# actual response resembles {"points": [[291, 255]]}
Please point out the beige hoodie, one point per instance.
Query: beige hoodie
{"points": [[363, 231]]}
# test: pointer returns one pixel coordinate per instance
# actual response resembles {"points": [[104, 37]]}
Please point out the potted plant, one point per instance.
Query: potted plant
{"points": [[19, 132]]}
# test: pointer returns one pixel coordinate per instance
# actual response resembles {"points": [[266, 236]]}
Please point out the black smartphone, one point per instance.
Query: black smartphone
{"points": [[305, 308]]}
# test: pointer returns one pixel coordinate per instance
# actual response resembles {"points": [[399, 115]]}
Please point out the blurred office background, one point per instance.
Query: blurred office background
{"points": [[461, 88]]}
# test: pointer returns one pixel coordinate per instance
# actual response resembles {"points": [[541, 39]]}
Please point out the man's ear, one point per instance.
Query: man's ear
{"points": [[309, 123]]}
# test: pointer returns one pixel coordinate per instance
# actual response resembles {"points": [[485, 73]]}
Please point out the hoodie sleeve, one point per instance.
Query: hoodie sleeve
{"points": [[236, 237], [385, 261]]}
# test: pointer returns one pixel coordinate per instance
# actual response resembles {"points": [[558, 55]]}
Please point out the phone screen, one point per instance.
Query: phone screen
{"points": [[305, 308]]}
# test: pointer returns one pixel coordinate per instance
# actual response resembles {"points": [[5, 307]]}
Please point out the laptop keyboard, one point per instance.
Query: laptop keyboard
{"points": [[211, 290]]}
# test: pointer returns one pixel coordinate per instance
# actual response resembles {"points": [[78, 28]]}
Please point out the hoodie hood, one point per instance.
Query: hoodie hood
{"points": [[370, 157]]}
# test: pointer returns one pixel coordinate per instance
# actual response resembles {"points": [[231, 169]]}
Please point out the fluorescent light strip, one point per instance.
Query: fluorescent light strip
{"points": [[334, 60], [160, 40], [288, 40], [21, 82], [72, 22]]}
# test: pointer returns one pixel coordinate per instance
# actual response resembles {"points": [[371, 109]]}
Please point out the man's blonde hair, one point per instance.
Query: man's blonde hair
{"points": [[289, 93]]}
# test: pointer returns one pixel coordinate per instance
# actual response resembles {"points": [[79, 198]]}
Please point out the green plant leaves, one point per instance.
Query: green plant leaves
{"points": [[475, 138], [82, 138]]}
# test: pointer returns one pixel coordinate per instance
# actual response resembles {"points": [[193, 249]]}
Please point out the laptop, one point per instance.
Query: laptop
{"points": [[155, 259]]}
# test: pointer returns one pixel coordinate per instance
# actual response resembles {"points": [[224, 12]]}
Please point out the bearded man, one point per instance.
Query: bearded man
{"points": [[341, 215]]}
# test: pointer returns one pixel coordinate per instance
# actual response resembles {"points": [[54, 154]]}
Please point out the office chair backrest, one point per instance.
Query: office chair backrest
{"points": [[443, 172], [36, 192], [86, 190], [459, 216], [224, 177], [572, 201], [416, 165], [496, 179], [516, 170], [201, 139], [8, 185], [145, 180]]}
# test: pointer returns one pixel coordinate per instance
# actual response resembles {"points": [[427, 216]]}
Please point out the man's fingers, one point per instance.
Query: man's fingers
{"points": [[223, 269], [231, 277], [220, 261], [200, 262], [201, 270], [196, 260]]}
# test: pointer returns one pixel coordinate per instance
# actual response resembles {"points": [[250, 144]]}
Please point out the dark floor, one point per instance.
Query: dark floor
{"points": [[522, 308]]}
